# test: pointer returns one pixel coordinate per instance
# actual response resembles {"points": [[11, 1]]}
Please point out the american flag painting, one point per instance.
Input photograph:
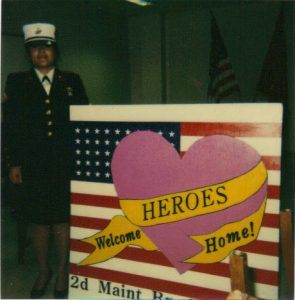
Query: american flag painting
{"points": [[135, 273]]}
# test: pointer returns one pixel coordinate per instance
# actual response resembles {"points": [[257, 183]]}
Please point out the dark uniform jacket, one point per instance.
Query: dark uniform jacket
{"points": [[38, 139]]}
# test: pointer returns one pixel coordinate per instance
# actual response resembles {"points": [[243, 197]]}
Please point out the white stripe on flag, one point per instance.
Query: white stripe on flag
{"points": [[95, 211], [269, 234], [93, 188], [273, 177], [272, 206]]}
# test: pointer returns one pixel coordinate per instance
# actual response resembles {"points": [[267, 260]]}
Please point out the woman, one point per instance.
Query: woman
{"points": [[37, 123]]}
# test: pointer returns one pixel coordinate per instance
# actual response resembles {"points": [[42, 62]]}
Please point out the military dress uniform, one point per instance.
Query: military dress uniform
{"points": [[38, 131]]}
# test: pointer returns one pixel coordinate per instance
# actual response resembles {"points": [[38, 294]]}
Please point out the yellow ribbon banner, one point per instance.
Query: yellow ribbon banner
{"points": [[114, 238], [188, 204]]}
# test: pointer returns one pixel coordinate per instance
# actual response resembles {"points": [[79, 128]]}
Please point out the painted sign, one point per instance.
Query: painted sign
{"points": [[162, 194]]}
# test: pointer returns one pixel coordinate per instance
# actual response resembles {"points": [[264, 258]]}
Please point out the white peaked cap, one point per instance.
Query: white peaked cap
{"points": [[39, 33]]}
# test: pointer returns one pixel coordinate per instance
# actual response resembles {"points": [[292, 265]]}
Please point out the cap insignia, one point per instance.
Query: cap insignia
{"points": [[38, 30]]}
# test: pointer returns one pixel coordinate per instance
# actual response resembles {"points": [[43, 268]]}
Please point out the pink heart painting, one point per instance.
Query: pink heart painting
{"points": [[145, 165]]}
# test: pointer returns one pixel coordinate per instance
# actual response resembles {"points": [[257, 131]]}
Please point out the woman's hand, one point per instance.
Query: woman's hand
{"points": [[15, 175]]}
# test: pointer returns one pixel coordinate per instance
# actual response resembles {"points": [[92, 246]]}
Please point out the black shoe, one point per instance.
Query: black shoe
{"points": [[61, 294], [37, 294]]}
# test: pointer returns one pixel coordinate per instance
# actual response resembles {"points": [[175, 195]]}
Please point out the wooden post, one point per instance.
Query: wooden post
{"points": [[287, 245], [238, 271]]}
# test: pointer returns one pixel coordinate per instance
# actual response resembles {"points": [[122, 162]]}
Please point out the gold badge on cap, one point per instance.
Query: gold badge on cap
{"points": [[38, 30]]}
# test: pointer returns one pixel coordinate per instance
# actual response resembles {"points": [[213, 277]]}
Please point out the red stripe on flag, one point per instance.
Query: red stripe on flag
{"points": [[90, 223], [157, 258], [261, 247], [272, 162], [154, 284], [95, 200], [271, 220], [232, 129], [273, 192]]}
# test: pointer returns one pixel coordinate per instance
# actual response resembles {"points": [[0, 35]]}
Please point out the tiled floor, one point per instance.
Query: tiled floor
{"points": [[17, 280]]}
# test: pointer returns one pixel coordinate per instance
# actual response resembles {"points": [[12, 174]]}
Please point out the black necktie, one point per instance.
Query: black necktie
{"points": [[45, 78]]}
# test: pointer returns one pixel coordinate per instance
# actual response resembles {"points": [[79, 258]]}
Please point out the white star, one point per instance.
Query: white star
{"points": [[87, 152], [173, 144], [87, 130], [107, 153], [127, 131], [107, 163], [160, 132], [78, 162], [117, 131], [97, 163], [78, 151], [117, 142], [97, 174], [88, 173], [78, 173], [87, 163], [97, 152], [97, 131], [78, 141], [96, 142], [87, 142], [107, 142], [107, 175], [106, 131], [171, 133], [77, 130]]}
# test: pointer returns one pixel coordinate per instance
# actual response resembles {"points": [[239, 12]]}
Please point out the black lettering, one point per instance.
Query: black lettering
{"points": [[245, 233], [177, 204], [100, 242], [157, 295], [146, 211], [162, 208], [221, 242], [195, 201], [211, 245], [233, 236], [138, 234], [108, 242], [75, 283], [116, 291], [221, 195], [104, 288], [207, 197], [122, 238]]}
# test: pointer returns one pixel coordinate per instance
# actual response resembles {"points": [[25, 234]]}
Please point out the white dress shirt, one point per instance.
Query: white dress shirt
{"points": [[46, 79]]}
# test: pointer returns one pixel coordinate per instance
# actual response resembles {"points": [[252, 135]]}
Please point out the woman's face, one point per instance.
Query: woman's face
{"points": [[42, 56]]}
